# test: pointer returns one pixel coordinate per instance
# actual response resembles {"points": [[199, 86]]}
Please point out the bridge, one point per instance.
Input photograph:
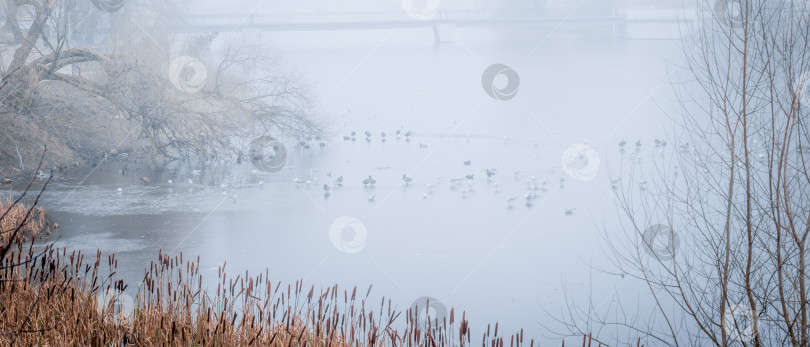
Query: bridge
{"points": [[441, 22]]}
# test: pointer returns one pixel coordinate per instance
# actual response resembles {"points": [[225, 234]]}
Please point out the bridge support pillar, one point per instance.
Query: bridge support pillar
{"points": [[444, 32]]}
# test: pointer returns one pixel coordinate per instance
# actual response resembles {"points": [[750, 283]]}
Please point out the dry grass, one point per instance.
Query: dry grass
{"points": [[51, 298], [34, 225]]}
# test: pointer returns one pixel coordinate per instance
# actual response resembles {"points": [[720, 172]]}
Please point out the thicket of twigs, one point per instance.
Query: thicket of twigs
{"points": [[151, 93]]}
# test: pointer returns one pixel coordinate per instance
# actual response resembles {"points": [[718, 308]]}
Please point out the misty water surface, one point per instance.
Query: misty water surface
{"points": [[461, 243]]}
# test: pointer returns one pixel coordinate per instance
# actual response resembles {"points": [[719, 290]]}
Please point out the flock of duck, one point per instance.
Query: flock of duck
{"points": [[383, 135], [466, 184], [534, 186], [305, 143]]}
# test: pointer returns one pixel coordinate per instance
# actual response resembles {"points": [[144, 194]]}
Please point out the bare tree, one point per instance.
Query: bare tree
{"points": [[139, 88], [718, 224]]}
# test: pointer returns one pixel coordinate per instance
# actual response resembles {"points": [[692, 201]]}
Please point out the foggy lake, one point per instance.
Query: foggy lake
{"points": [[461, 243], [499, 218]]}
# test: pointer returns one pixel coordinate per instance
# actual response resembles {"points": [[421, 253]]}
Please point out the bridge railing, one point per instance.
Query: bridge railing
{"points": [[339, 17], [344, 19], [260, 19]]}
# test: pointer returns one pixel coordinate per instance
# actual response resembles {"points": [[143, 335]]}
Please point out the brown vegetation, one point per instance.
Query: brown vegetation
{"points": [[35, 225], [54, 297]]}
